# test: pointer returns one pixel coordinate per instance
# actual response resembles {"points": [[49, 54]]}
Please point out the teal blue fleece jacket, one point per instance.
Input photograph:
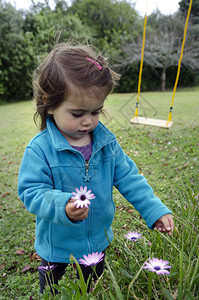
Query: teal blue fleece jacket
{"points": [[51, 170]]}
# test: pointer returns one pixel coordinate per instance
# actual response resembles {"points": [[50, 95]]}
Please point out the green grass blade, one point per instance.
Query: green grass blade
{"points": [[126, 274], [189, 295], [195, 273], [167, 294], [135, 277], [65, 295], [193, 248], [181, 274], [83, 284], [115, 284], [111, 296]]}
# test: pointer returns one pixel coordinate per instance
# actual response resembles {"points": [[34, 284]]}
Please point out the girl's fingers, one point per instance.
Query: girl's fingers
{"points": [[171, 222], [165, 224]]}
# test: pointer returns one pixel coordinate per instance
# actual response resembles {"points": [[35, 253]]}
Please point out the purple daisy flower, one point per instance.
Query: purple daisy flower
{"points": [[47, 268], [82, 197], [158, 266], [92, 259], [133, 235]]}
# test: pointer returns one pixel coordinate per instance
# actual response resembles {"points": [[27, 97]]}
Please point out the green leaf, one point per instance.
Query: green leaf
{"points": [[74, 286], [167, 294], [195, 272], [91, 297], [65, 295], [78, 296], [116, 286], [57, 287], [84, 297], [126, 273], [189, 295], [83, 285], [111, 296]]}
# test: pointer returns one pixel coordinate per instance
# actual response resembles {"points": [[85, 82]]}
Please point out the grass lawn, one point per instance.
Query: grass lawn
{"points": [[169, 161]]}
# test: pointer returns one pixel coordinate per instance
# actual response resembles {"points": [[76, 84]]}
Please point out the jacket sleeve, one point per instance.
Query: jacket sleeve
{"points": [[136, 190], [36, 190]]}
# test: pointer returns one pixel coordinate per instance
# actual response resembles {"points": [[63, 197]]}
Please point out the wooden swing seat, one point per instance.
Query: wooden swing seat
{"points": [[155, 122], [151, 122]]}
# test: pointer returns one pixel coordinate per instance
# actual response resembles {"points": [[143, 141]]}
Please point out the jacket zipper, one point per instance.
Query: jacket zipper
{"points": [[87, 177], [87, 168]]}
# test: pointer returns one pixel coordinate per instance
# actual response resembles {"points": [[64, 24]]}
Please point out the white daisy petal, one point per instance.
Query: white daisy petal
{"points": [[82, 197], [158, 266], [133, 236], [92, 259]]}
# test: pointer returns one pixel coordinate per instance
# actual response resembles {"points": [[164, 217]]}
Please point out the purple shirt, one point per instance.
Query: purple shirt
{"points": [[86, 151]]}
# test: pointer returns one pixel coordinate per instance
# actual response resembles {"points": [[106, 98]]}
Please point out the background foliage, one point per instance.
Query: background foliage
{"points": [[112, 26]]}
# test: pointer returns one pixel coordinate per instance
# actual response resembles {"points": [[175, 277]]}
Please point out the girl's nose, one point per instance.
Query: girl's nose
{"points": [[87, 120]]}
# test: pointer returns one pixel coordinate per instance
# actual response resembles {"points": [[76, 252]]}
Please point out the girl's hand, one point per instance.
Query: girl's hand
{"points": [[165, 224], [76, 214]]}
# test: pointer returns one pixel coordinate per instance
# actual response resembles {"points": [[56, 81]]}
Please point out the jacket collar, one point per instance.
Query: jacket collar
{"points": [[101, 136]]}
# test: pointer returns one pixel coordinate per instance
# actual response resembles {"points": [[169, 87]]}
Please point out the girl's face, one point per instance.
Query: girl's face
{"points": [[77, 117]]}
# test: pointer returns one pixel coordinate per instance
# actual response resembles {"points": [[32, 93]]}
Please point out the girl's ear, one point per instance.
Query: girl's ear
{"points": [[50, 111], [44, 99]]}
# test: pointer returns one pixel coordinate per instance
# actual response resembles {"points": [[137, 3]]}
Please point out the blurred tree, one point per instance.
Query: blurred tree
{"points": [[184, 5], [114, 23], [27, 35], [16, 55], [164, 37], [61, 5], [112, 26], [55, 26]]}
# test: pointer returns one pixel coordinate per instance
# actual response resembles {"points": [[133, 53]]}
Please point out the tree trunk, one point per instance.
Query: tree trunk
{"points": [[163, 79]]}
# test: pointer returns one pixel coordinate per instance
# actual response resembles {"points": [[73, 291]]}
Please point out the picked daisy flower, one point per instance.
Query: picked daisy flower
{"points": [[133, 236], [92, 259], [82, 197], [158, 266]]}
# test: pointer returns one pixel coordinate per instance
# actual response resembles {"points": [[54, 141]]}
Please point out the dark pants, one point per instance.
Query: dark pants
{"points": [[55, 274]]}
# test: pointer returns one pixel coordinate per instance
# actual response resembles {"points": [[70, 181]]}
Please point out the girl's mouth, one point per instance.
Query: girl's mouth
{"points": [[85, 131]]}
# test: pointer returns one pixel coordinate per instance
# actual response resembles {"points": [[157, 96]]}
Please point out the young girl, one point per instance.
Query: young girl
{"points": [[75, 150]]}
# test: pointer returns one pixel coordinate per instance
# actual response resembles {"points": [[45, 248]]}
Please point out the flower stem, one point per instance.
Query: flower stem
{"points": [[150, 285], [104, 292]]}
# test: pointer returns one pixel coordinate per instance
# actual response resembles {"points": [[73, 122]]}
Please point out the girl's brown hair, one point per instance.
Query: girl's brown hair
{"points": [[66, 69]]}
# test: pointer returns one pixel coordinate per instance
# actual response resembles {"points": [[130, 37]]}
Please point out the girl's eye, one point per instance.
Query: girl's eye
{"points": [[97, 112], [94, 113], [77, 115]]}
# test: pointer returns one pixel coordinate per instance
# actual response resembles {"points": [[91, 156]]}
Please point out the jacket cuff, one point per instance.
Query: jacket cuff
{"points": [[65, 219]]}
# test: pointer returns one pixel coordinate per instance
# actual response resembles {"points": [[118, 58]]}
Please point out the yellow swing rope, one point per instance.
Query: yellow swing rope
{"points": [[179, 63], [141, 63]]}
